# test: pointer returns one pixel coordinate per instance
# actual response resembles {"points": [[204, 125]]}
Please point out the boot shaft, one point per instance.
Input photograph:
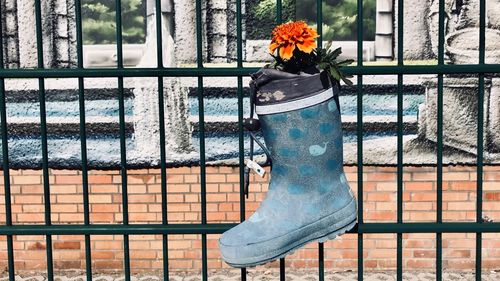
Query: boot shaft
{"points": [[301, 125]]}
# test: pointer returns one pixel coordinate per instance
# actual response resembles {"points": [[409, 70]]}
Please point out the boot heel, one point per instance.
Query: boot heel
{"points": [[338, 232]]}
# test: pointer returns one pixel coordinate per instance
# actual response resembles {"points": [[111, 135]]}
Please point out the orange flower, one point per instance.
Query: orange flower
{"points": [[290, 35]]}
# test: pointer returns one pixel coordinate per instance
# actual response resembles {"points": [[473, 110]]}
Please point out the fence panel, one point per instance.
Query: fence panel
{"points": [[204, 228]]}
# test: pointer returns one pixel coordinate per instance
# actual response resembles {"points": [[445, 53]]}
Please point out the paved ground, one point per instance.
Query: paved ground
{"points": [[264, 276]]}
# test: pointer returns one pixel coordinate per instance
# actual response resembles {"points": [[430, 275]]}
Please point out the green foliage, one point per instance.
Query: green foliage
{"points": [[99, 25], [322, 58], [261, 19], [327, 60], [339, 17]]}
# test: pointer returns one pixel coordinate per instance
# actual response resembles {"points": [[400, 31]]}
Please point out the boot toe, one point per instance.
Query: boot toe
{"points": [[250, 243], [239, 244]]}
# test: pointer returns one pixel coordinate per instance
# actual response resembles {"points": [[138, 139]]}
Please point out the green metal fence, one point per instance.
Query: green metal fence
{"points": [[204, 228]]}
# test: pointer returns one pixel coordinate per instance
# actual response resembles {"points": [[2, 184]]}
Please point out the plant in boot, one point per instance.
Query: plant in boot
{"points": [[296, 45], [309, 199]]}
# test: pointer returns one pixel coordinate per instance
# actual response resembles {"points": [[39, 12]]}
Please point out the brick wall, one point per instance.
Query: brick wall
{"points": [[223, 206]]}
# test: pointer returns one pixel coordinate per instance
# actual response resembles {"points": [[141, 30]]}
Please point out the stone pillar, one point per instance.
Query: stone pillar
{"points": [[493, 13], [416, 36], [493, 132], [232, 35], [384, 30], [217, 32], [146, 114], [185, 32], [58, 33], [221, 30], [64, 30], [10, 40]]}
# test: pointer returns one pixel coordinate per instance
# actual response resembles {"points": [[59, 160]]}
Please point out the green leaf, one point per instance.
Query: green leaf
{"points": [[334, 54], [347, 81], [345, 63], [328, 46], [335, 74]]}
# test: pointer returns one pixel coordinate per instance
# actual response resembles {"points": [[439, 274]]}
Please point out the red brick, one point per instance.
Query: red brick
{"points": [[422, 216], [217, 197], [140, 179], [418, 186], [420, 264], [458, 176], [100, 179], [424, 196], [28, 199], [420, 206], [180, 170], [27, 180], [36, 246], [424, 254], [461, 206], [380, 196], [494, 196], [459, 253], [66, 198], [424, 176], [174, 179], [101, 198], [382, 177], [103, 188], [455, 196], [105, 255], [105, 208], [468, 186], [66, 245], [71, 179], [143, 198], [107, 264], [461, 264]]}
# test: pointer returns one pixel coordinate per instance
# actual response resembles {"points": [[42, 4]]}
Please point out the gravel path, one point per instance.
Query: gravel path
{"points": [[230, 275]]}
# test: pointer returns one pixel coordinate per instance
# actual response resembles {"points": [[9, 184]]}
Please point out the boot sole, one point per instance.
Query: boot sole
{"points": [[320, 236]]}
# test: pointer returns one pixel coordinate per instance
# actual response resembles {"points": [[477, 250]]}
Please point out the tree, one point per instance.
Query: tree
{"points": [[339, 17], [99, 24]]}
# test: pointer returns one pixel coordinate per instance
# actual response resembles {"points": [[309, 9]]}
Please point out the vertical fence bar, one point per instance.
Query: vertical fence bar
{"points": [[279, 11], [282, 269], [5, 164], [241, 143], [439, 170], [321, 261], [480, 136], [399, 262], [123, 145], [319, 24], [83, 138], [43, 129], [161, 124], [279, 20], [201, 122], [359, 128]]}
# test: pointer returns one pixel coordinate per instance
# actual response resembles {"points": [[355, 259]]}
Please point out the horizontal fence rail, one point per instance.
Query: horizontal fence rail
{"points": [[239, 71], [218, 228]]}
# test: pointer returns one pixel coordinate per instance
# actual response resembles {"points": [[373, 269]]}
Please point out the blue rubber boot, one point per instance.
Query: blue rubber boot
{"points": [[309, 198]]}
